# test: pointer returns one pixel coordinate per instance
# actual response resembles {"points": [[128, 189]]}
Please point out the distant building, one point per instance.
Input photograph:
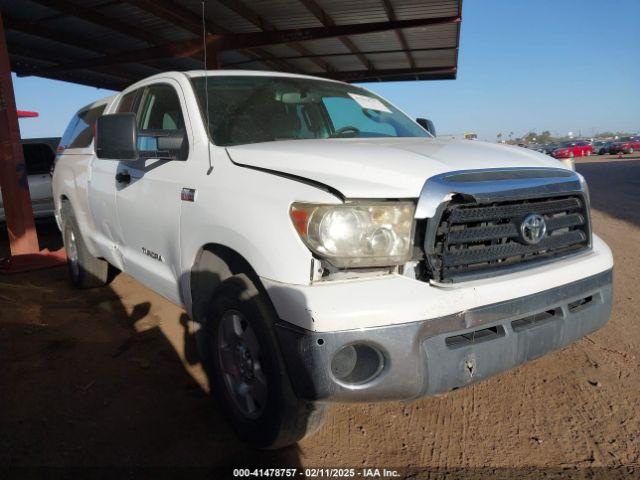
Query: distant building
{"points": [[460, 136]]}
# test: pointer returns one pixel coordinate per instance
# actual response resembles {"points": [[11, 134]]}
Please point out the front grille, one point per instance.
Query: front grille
{"points": [[471, 239]]}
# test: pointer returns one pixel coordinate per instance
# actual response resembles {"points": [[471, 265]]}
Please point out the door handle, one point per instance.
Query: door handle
{"points": [[123, 177]]}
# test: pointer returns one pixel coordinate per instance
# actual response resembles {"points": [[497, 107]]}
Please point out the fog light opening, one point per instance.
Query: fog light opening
{"points": [[357, 363]]}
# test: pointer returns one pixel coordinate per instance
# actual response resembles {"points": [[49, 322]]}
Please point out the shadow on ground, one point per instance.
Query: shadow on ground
{"points": [[89, 382], [614, 187]]}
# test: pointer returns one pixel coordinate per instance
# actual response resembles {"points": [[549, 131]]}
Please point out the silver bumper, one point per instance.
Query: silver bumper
{"points": [[438, 355]]}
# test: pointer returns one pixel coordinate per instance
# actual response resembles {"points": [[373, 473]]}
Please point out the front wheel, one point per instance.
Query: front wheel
{"points": [[249, 378]]}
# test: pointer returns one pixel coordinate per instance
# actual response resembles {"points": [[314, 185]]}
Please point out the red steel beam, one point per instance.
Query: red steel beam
{"points": [[345, 54], [13, 174], [27, 114], [436, 73]]}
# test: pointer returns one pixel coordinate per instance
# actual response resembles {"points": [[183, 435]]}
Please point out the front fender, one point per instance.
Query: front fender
{"points": [[248, 212]]}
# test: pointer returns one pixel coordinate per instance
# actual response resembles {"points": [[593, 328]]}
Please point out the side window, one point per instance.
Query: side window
{"points": [[68, 133], [128, 102], [160, 109], [79, 133], [344, 112], [38, 158]]}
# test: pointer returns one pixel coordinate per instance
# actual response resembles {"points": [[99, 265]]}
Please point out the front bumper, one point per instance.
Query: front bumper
{"points": [[441, 354]]}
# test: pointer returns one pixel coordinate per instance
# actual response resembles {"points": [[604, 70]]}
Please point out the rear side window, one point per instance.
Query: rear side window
{"points": [[79, 133], [38, 158]]}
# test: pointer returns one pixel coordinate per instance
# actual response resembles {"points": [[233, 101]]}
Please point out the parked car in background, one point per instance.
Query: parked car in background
{"points": [[548, 148], [625, 145], [601, 147], [573, 148], [537, 147], [39, 156]]}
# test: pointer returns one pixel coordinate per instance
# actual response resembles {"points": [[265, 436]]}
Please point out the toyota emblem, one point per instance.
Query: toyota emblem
{"points": [[533, 228]]}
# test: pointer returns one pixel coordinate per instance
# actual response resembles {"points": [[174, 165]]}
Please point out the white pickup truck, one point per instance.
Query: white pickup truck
{"points": [[330, 248]]}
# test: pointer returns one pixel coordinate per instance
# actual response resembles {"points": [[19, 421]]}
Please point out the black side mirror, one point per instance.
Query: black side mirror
{"points": [[164, 144], [427, 125], [117, 137]]}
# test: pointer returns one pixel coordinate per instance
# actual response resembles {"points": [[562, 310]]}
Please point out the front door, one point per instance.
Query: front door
{"points": [[148, 197]]}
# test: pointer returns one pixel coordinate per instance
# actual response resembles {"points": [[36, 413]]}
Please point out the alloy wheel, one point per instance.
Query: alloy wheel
{"points": [[239, 359]]}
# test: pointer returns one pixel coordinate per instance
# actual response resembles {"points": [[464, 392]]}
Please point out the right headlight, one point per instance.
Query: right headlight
{"points": [[357, 234]]}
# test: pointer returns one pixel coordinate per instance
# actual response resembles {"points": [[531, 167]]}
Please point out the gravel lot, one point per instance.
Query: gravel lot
{"points": [[110, 378]]}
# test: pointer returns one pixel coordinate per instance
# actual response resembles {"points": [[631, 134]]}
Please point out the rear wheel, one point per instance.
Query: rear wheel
{"points": [[85, 270], [249, 378]]}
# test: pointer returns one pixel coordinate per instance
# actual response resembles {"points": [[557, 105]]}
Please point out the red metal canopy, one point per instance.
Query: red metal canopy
{"points": [[111, 43]]}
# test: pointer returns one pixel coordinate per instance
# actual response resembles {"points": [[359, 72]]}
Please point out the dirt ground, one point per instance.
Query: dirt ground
{"points": [[110, 378]]}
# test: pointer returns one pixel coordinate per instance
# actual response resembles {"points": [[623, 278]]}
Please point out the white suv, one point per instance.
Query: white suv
{"points": [[330, 248]]}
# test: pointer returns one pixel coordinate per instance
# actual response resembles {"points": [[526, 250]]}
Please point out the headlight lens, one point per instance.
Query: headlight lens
{"points": [[359, 234]]}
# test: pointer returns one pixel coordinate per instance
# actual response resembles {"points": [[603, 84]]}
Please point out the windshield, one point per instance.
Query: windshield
{"points": [[252, 109]]}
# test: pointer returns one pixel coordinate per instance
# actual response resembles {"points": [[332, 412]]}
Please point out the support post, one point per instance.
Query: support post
{"points": [[18, 213]]}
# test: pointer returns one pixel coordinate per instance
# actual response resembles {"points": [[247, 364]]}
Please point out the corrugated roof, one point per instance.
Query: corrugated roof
{"points": [[112, 43]]}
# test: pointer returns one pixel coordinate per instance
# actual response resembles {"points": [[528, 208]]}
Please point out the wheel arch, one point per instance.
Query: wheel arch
{"points": [[213, 264]]}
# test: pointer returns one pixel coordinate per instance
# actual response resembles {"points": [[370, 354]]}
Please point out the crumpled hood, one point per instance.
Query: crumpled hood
{"points": [[382, 168]]}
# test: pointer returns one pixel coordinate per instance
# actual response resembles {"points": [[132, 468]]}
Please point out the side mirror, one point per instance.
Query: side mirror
{"points": [[117, 137], [427, 125], [164, 144]]}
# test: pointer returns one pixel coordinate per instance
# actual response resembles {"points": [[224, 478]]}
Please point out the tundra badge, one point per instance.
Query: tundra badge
{"points": [[154, 255]]}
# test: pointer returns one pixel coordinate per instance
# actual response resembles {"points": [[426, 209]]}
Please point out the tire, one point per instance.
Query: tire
{"points": [[250, 364], [85, 270]]}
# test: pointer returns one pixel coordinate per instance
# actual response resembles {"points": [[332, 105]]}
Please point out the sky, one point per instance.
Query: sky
{"points": [[524, 65]]}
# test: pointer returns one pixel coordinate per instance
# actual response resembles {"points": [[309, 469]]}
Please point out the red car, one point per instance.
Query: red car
{"points": [[577, 148], [625, 145]]}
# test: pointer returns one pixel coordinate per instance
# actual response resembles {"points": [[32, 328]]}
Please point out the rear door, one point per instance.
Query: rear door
{"points": [[149, 203]]}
